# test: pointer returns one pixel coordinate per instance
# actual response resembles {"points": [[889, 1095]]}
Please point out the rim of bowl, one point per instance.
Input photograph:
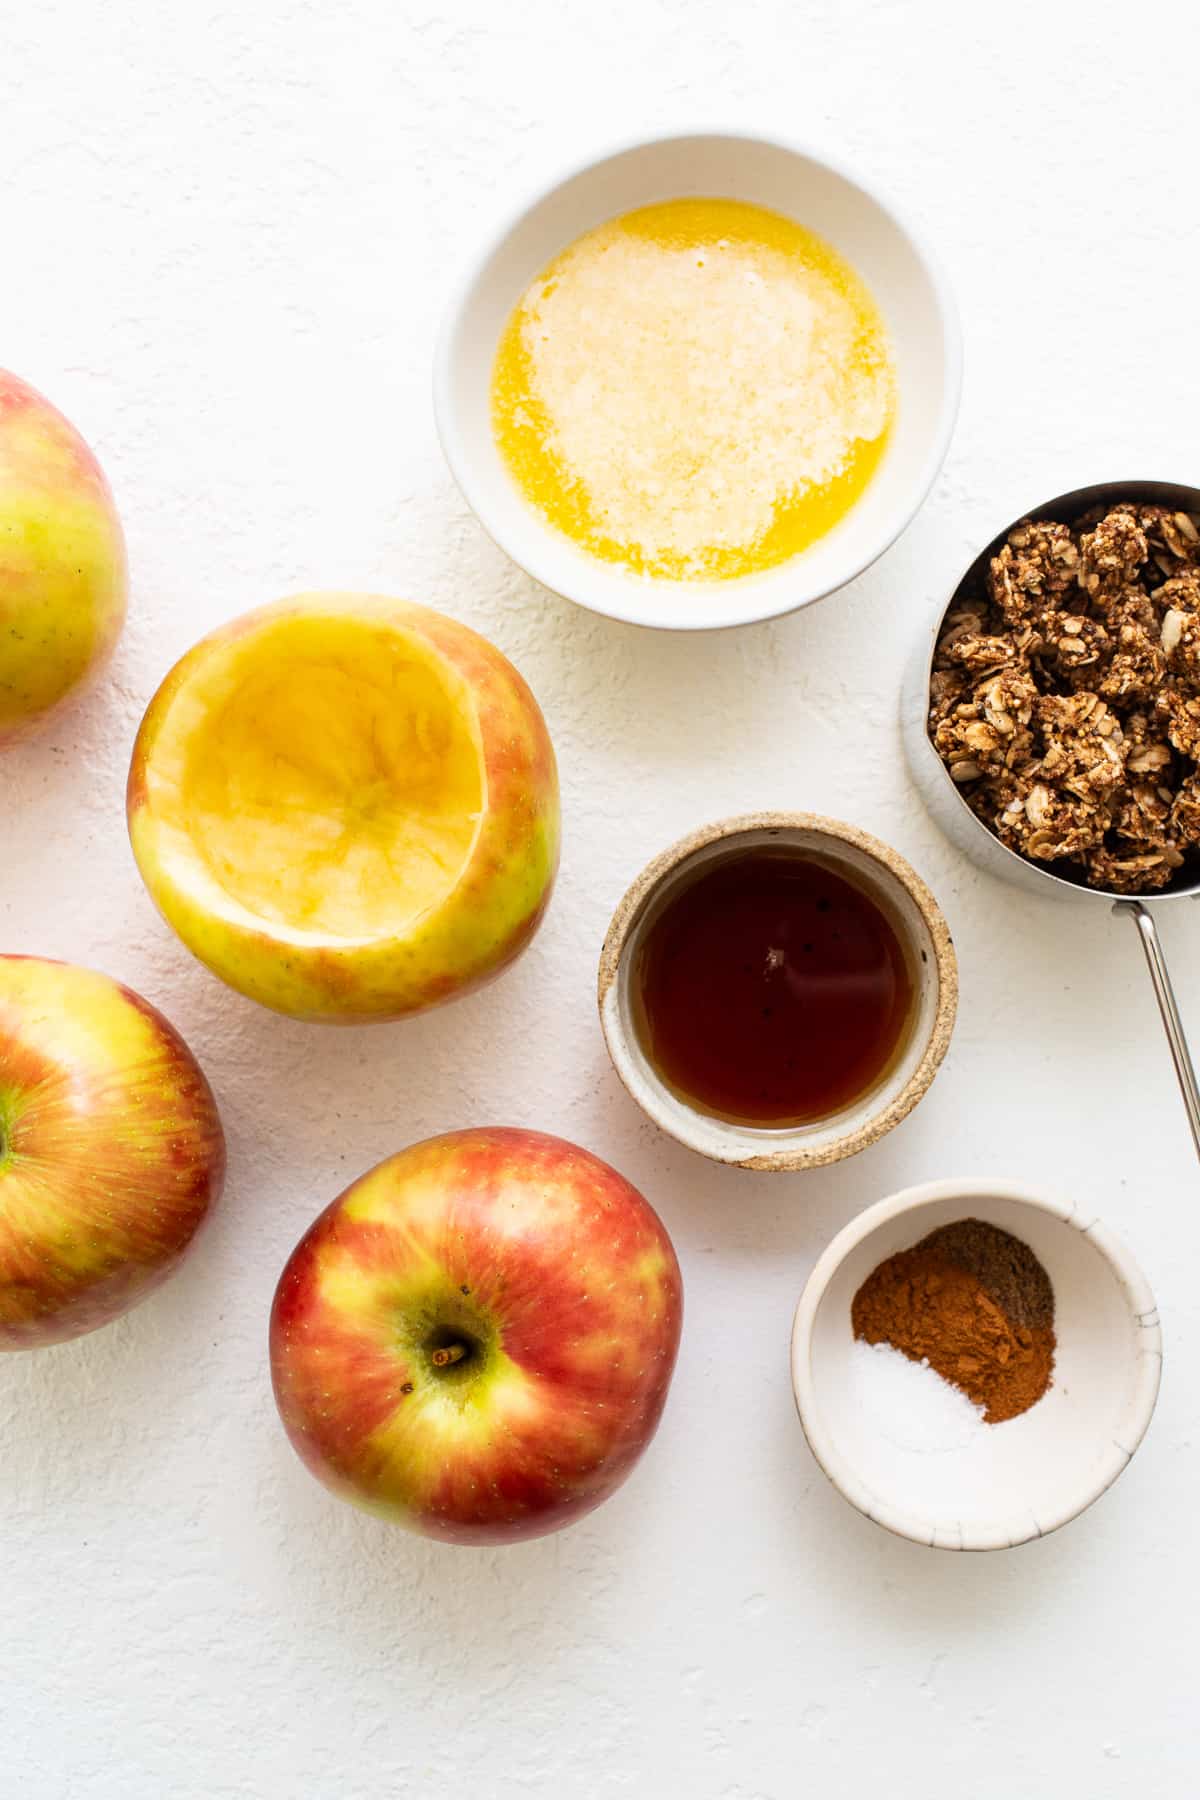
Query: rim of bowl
{"points": [[788, 1157], [460, 463], [1078, 500], [1134, 1421]]}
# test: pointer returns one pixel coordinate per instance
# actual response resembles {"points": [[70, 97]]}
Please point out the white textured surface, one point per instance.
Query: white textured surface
{"points": [[228, 234]]}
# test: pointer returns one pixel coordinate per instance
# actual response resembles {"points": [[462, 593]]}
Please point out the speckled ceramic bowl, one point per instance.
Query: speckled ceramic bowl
{"points": [[1006, 1483], [886, 251], [922, 930]]}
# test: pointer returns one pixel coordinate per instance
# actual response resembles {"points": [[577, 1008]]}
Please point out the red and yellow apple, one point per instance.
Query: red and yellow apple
{"points": [[111, 1150], [346, 806], [476, 1339], [62, 560]]}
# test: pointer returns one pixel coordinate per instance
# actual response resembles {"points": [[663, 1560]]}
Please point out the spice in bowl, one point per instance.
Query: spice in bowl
{"points": [[974, 1304], [1065, 697], [695, 390]]}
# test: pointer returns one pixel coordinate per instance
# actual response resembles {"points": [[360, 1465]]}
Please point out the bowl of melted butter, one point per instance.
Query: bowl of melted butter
{"points": [[702, 381]]}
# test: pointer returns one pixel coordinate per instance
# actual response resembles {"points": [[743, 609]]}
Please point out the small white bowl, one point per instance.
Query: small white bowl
{"points": [[1006, 1483], [900, 271]]}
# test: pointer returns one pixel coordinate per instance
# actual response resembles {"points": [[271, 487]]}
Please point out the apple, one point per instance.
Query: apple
{"points": [[62, 560], [346, 806], [111, 1150], [475, 1340]]}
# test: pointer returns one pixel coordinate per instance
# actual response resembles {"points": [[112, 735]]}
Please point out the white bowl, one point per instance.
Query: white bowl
{"points": [[1007, 1483], [900, 271]]}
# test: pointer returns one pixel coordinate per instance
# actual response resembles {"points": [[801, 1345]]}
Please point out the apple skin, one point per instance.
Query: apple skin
{"points": [[111, 1150], [497, 904], [62, 560], [553, 1270]]}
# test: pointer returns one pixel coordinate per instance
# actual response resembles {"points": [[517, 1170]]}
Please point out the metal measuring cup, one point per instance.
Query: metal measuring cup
{"points": [[970, 835]]}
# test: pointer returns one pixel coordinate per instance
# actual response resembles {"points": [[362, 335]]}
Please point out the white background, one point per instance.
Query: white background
{"points": [[228, 233]]}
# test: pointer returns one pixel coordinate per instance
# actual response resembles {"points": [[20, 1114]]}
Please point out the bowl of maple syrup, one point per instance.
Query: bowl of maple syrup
{"points": [[777, 991]]}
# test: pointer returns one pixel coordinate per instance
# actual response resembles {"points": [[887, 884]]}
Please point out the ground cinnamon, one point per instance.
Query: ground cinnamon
{"points": [[975, 1304]]}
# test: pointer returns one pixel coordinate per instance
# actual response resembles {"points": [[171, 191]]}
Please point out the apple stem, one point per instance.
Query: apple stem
{"points": [[452, 1353]]}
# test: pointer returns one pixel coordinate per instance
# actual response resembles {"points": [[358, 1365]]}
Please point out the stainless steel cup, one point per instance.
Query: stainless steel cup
{"points": [[951, 812]]}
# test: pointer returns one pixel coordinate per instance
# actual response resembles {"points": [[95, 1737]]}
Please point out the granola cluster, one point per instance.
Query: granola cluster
{"points": [[1065, 698]]}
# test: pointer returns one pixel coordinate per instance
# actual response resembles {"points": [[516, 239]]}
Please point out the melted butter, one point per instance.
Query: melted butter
{"points": [[697, 390]]}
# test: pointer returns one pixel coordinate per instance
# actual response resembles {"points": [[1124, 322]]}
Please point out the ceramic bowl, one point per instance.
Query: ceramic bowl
{"points": [[897, 266], [922, 930], [1006, 1483]]}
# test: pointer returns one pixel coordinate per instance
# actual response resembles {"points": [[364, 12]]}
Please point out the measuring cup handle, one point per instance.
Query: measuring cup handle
{"points": [[1165, 995]]}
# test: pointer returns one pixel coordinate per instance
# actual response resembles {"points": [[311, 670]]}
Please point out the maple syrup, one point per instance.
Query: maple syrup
{"points": [[771, 990], [696, 390]]}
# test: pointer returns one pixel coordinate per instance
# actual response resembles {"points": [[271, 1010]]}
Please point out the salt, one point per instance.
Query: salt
{"points": [[909, 1404]]}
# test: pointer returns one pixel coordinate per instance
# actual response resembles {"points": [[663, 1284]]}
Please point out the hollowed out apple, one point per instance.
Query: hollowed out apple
{"points": [[346, 806]]}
